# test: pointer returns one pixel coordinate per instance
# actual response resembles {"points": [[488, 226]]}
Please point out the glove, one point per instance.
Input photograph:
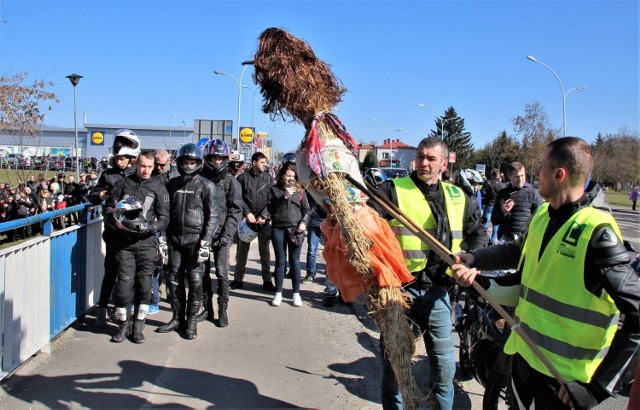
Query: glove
{"points": [[163, 250], [203, 252], [581, 396], [221, 242]]}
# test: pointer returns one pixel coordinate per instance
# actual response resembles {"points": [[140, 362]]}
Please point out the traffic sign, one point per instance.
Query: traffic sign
{"points": [[452, 157]]}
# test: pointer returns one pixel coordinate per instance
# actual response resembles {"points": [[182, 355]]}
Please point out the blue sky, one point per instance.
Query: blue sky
{"points": [[152, 62]]}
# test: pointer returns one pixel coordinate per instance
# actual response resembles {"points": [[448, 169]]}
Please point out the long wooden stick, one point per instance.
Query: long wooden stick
{"points": [[448, 257]]}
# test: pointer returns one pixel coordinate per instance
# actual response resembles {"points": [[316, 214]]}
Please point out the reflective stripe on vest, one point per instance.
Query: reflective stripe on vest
{"points": [[413, 203], [573, 327]]}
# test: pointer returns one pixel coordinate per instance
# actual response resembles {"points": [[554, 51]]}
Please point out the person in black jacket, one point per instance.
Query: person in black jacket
{"points": [[71, 191], [452, 216], [229, 201], [602, 278], [136, 250], [124, 148], [290, 213], [515, 204], [489, 192], [163, 168], [164, 171], [255, 186], [194, 220]]}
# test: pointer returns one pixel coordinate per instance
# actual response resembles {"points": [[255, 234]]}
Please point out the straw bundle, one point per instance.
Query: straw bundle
{"points": [[294, 81]]}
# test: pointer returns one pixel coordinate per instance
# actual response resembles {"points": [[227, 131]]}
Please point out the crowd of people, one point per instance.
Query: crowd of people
{"points": [[38, 194], [168, 230]]}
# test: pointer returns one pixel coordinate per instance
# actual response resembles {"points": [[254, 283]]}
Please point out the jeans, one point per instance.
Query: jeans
{"points": [[329, 288], [155, 283], [242, 252], [280, 240], [313, 237], [432, 312], [486, 215]]}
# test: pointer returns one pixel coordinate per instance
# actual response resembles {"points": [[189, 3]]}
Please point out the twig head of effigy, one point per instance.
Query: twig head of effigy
{"points": [[292, 79]]}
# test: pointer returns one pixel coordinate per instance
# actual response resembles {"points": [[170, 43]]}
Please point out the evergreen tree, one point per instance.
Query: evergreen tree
{"points": [[457, 139], [370, 161]]}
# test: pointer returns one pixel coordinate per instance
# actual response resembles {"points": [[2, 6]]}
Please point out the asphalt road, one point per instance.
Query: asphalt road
{"points": [[269, 357]]}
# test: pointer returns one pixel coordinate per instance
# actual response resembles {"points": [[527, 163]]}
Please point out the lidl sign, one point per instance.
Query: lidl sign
{"points": [[97, 138], [246, 135]]}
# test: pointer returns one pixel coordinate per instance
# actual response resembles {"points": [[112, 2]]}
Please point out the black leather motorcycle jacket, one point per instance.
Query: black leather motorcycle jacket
{"points": [[194, 213]]}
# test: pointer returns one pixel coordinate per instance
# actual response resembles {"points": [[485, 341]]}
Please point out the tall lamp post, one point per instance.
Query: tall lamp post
{"points": [[239, 84], [442, 121], [184, 132], [170, 129], [564, 96], [564, 101], [390, 138], [75, 79], [253, 104]]}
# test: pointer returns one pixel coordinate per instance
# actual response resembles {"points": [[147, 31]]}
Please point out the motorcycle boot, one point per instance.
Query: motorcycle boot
{"points": [[138, 324], [177, 320], [207, 310], [123, 319], [223, 319], [101, 318], [192, 321]]}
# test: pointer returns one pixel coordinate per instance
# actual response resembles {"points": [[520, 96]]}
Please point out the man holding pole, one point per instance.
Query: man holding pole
{"points": [[443, 210], [574, 279]]}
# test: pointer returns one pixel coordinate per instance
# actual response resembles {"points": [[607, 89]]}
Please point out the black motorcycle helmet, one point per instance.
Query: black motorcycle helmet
{"points": [[289, 157], [189, 151], [216, 148]]}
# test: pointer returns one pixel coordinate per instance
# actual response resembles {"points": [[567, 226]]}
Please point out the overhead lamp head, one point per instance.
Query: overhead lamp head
{"points": [[74, 78], [532, 58]]}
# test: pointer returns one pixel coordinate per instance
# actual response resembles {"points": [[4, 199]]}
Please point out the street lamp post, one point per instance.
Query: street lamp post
{"points": [[564, 96], [75, 79], [253, 104], [390, 138], [170, 129], [184, 132], [442, 121], [239, 84], [564, 101]]}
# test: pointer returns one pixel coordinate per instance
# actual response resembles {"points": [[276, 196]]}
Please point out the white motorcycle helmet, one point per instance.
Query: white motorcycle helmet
{"points": [[245, 232], [126, 143]]}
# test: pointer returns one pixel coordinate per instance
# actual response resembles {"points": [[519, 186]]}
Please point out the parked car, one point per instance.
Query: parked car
{"points": [[395, 172], [12, 160]]}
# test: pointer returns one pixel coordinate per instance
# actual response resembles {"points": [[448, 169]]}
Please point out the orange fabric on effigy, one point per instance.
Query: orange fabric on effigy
{"points": [[387, 263]]}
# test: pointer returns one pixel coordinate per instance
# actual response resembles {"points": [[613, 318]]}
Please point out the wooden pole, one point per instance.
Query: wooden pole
{"points": [[448, 257]]}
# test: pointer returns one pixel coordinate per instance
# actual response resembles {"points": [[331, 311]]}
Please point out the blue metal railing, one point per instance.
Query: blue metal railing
{"points": [[47, 281]]}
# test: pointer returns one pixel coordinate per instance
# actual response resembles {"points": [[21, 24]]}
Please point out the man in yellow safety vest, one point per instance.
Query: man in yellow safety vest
{"points": [[573, 279]]}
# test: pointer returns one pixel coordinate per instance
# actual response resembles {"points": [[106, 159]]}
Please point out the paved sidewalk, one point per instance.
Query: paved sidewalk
{"points": [[269, 357]]}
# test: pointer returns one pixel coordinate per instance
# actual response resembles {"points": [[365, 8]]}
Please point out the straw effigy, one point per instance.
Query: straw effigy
{"points": [[294, 81]]}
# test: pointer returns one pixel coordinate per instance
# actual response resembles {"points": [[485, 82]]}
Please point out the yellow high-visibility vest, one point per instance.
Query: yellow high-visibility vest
{"points": [[572, 327], [413, 203]]}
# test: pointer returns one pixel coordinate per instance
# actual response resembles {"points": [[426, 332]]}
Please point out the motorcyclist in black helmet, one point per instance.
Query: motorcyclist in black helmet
{"points": [[194, 220], [229, 201]]}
